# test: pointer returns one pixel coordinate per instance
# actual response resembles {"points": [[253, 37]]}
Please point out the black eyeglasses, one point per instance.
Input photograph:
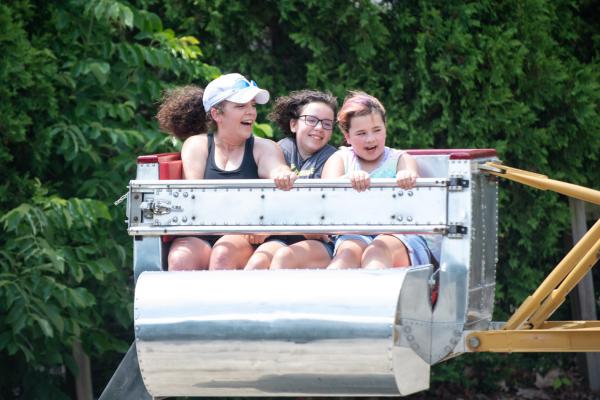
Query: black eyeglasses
{"points": [[311, 120]]}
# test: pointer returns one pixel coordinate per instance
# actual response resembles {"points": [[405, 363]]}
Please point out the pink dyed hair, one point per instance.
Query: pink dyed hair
{"points": [[357, 104]]}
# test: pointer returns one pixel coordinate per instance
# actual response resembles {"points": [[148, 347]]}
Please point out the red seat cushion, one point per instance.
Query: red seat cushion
{"points": [[169, 169]]}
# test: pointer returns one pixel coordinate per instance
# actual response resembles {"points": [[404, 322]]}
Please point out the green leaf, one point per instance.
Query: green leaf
{"points": [[100, 70], [45, 326], [262, 130], [82, 298], [127, 16]]}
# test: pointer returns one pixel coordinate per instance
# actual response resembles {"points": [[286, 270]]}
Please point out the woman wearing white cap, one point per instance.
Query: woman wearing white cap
{"points": [[231, 152]]}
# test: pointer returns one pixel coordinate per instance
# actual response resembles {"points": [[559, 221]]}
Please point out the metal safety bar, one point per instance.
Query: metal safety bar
{"points": [[217, 207], [269, 183]]}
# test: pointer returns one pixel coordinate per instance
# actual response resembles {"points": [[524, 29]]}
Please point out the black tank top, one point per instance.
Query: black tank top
{"points": [[247, 170]]}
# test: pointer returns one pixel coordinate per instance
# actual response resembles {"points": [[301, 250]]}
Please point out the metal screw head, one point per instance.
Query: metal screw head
{"points": [[175, 194], [184, 219], [185, 194], [474, 342], [135, 219], [174, 219], [136, 196]]}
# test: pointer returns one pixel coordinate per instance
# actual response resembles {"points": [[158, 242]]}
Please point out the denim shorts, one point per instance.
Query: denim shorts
{"points": [[367, 239], [416, 246]]}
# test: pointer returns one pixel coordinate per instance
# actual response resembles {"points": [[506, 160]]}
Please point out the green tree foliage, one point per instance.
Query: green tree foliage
{"points": [[79, 81]]}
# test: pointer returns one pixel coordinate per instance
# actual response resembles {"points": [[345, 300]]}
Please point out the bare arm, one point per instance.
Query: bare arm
{"points": [[407, 171], [194, 153], [271, 163], [334, 167]]}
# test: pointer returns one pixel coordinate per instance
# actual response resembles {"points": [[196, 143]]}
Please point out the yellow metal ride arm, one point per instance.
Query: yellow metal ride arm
{"points": [[528, 330]]}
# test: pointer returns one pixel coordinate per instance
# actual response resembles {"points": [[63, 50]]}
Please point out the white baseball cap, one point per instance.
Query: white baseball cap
{"points": [[234, 88]]}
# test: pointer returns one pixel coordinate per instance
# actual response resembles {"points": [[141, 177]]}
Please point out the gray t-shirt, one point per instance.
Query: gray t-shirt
{"points": [[309, 168]]}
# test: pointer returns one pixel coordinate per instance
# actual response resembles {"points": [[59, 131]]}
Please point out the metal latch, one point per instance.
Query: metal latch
{"points": [[456, 231], [158, 207], [457, 183]]}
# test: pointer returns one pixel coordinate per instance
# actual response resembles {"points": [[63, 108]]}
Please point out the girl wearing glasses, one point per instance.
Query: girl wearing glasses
{"points": [[307, 118], [231, 152], [362, 121]]}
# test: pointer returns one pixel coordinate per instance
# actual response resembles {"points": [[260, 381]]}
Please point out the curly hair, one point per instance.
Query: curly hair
{"points": [[181, 112], [289, 107], [357, 104]]}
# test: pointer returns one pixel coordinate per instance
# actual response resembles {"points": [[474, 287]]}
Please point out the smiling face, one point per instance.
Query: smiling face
{"points": [[235, 120], [366, 135], [311, 139]]}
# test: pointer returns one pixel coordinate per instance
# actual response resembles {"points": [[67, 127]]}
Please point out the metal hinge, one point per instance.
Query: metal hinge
{"points": [[457, 183], [457, 231]]}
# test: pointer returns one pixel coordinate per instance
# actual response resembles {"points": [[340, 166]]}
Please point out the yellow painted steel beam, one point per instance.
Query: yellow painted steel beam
{"points": [[558, 296], [566, 275], [542, 182], [532, 303], [570, 325], [558, 339]]}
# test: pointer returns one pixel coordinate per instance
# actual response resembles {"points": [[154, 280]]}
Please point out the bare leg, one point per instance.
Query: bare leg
{"points": [[304, 254], [348, 255], [188, 254], [384, 252], [230, 252], [261, 259]]}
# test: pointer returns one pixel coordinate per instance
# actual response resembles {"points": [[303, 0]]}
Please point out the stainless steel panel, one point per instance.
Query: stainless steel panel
{"points": [[285, 229], [126, 383], [484, 250], [450, 311], [431, 166], [414, 313], [234, 184], [184, 207], [147, 172], [273, 333], [148, 255]]}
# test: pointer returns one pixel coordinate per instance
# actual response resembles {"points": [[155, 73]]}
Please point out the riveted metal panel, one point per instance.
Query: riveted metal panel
{"points": [[188, 207], [273, 333]]}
